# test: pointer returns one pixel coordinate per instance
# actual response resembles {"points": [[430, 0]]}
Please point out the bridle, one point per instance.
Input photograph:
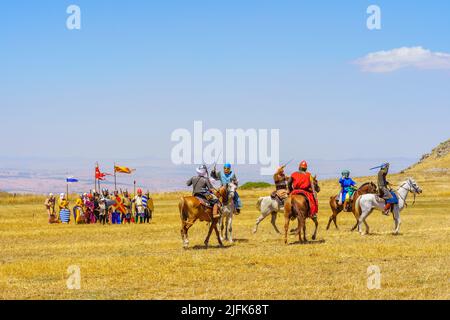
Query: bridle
{"points": [[414, 190]]}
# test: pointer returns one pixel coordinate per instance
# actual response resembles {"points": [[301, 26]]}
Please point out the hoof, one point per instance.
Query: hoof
{"points": [[254, 231], [314, 237]]}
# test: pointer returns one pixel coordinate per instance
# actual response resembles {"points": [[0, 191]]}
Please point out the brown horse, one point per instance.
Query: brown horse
{"points": [[192, 209], [368, 187], [297, 206]]}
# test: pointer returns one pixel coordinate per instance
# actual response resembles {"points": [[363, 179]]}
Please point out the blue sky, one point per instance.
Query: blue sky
{"points": [[137, 70]]}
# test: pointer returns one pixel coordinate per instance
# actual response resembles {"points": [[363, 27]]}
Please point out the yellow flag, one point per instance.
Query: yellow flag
{"points": [[123, 169]]}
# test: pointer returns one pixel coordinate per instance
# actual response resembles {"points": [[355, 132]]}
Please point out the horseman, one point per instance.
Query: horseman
{"points": [[226, 177], [281, 188], [202, 188], [383, 184], [347, 188], [301, 182]]}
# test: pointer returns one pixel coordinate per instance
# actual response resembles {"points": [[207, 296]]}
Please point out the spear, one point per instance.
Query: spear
{"points": [[286, 164]]}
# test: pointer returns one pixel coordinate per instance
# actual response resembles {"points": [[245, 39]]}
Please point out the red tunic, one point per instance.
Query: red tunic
{"points": [[301, 181], [301, 184]]}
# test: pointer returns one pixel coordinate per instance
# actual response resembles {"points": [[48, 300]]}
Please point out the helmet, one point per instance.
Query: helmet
{"points": [[139, 191], [346, 173], [50, 194], [227, 166], [303, 165], [202, 170]]}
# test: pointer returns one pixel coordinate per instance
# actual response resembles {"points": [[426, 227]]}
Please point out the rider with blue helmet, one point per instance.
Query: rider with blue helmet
{"points": [[226, 177]]}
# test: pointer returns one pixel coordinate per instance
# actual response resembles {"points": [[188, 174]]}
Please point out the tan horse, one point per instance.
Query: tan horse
{"points": [[191, 210], [368, 187], [297, 206]]}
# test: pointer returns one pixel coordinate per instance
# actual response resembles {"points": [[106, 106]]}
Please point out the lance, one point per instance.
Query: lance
{"points": [[378, 167], [286, 164]]}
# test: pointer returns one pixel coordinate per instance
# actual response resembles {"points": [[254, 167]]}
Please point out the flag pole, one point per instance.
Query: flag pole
{"points": [[115, 178], [95, 178]]}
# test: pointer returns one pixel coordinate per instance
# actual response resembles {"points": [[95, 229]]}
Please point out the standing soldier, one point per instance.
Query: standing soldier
{"points": [[50, 203], [126, 218], [139, 206]]}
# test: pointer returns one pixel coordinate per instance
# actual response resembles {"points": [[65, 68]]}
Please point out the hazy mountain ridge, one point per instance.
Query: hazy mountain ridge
{"points": [[40, 175]]}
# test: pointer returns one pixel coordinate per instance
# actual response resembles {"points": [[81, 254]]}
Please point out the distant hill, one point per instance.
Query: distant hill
{"points": [[437, 161], [255, 185]]}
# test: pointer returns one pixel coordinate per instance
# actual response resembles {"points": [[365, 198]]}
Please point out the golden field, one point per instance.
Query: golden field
{"points": [[148, 261]]}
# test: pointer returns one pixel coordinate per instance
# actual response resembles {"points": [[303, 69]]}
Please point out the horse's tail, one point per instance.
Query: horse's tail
{"points": [[357, 207], [183, 210], [258, 203]]}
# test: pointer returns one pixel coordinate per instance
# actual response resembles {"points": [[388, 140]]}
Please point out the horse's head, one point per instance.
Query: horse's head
{"points": [[411, 185], [316, 184], [368, 187], [231, 190]]}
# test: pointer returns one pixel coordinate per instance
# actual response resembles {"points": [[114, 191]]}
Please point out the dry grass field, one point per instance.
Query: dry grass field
{"points": [[148, 262]]}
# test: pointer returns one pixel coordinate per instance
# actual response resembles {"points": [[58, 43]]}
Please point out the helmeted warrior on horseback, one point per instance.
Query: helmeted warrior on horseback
{"points": [[281, 186], [383, 184], [203, 188], [301, 182], [226, 177]]}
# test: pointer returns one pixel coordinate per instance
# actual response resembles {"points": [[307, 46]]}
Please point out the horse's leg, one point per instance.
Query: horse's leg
{"points": [[258, 221], [214, 224], [187, 225], [304, 229], [397, 220], [230, 227], [211, 227], [333, 217], [220, 225], [273, 221], [286, 228], [335, 220], [356, 215], [362, 219], [316, 223], [299, 227]]}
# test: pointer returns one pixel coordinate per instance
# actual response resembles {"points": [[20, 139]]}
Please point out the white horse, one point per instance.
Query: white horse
{"points": [[267, 205], [366, 203], [228, 209]]}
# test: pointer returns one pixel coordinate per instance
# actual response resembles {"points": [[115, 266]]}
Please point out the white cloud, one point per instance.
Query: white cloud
{"points": [[413, 57]]}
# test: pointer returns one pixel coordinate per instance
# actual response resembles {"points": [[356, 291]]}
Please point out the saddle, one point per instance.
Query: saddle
{"points": [[203, 201], [280, 196]]}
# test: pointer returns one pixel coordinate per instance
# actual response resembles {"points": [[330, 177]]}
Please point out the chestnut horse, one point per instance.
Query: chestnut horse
{"points": [[192, 209], [297, 206], [368, 187]]}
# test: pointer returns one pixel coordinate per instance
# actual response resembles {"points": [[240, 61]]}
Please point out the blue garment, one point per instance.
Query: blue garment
{"points": [[115, 217], [394, 199], [346, 185], [237, 201], [226, 178]]}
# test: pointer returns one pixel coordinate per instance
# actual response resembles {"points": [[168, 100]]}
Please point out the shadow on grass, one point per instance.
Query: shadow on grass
{"points": [[240, 240], [210, 247], [308, 242]]}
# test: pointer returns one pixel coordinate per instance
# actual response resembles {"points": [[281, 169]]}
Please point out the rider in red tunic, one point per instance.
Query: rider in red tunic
{"points": [[301, 182]]}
